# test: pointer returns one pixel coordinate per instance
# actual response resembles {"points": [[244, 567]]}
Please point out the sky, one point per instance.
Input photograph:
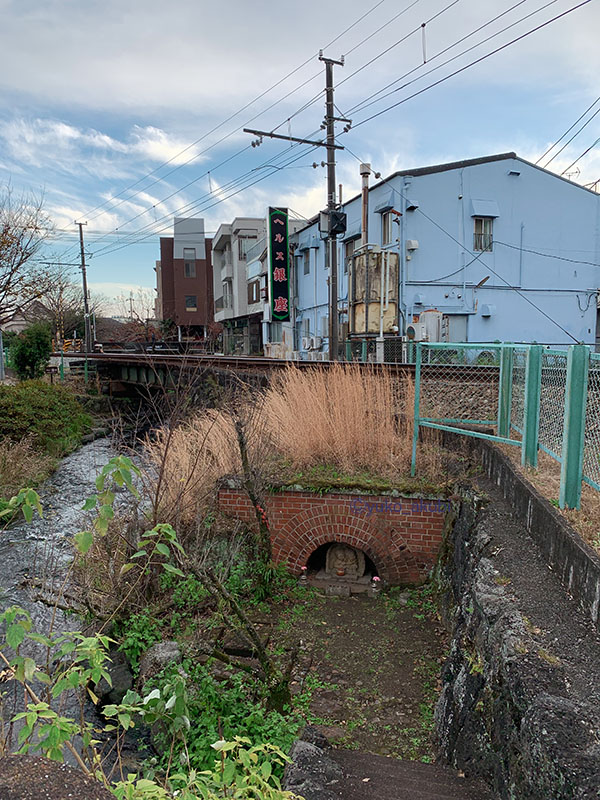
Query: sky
{"points": [[126, 114]]}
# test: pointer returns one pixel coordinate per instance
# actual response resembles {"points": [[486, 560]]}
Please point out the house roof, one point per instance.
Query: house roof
{"points": [[467, 162]]}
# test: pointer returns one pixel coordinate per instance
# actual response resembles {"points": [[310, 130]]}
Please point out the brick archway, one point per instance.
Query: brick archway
{"points": [[401, 535], [319, 525]]}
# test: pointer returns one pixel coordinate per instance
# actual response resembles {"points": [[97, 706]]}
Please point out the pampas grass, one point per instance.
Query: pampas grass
{"points": [[346, 416]]}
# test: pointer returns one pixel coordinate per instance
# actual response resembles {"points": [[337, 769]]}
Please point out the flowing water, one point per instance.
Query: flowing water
{"points": [[42, 549]]}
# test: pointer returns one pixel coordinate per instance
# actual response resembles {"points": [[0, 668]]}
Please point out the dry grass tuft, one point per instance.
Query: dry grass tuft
{"points": [[546, 479], [354, 420], [186, 464], [21, 465], [346, 417]]}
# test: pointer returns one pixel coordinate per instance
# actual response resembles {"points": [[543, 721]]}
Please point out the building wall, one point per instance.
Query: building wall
{"points": [[175, 286], [538, 213], [401, 535]]}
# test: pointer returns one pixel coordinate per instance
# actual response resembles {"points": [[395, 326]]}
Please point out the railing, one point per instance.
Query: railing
{"points": [[256, 249], [531, 397]]}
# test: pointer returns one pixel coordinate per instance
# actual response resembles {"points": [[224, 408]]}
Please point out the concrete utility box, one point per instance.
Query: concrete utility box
{"points": [[373, 283]]}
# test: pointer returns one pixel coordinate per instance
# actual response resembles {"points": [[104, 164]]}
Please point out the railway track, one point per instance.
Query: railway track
{"points": [[476, 372]]}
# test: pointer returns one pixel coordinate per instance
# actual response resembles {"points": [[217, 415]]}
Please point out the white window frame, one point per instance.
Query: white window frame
{"points": [[483, 234], [387, 233]]}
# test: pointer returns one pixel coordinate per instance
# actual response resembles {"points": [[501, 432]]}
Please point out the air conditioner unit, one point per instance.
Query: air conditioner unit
{"points": [[316, 342], [306, 342], [417, 332]]}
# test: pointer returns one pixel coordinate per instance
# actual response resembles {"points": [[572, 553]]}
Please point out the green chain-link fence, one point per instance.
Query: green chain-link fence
{"points": [[522, 395]]}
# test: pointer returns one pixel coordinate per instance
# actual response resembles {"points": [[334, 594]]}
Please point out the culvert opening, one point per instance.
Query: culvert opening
{"points": [[335, 564]]}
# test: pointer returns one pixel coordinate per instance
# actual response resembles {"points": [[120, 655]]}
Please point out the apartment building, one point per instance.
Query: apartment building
{"points": [[184, 278]]}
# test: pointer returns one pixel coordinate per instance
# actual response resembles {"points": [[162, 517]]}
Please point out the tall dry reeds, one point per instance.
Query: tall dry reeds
{"points": [[345, 416], [186, 463], [353, 419], [21, 464]]}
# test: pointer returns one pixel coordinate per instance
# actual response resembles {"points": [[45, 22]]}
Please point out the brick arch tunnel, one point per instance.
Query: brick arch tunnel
{"points": [[314, 527], [401, 536]]}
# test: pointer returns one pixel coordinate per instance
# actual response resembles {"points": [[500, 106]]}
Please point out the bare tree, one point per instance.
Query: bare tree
{"points": [[137, 306], [62, 304], [24, 228]]}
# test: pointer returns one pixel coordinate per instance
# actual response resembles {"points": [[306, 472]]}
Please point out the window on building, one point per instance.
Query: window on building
{"points": [[386, 227], [348, 250], [244, 244], [191, 302], [306, 262], [306, 327], [483, 234], [276, 331], [227, 294], [253, 292], [189, 262]]}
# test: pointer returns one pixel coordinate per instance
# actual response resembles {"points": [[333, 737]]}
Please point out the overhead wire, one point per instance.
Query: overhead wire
{"points": [[247, 105], [562, 136], [472, 63], [306, 105], [364, 104]]}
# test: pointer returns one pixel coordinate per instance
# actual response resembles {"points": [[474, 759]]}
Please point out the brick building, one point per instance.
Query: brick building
{"points": [[184, 278]]}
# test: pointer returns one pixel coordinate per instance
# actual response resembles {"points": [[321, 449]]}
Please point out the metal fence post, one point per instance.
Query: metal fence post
{"points": [[416, 415], [531, 411], [571, 472], [505, 391]]}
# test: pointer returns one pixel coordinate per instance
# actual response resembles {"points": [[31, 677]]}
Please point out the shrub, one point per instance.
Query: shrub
{"points": [[50, 415], [30, 352]]}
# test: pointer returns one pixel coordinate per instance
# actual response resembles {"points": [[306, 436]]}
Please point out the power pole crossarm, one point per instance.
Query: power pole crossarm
{"points": [[329, 143]]}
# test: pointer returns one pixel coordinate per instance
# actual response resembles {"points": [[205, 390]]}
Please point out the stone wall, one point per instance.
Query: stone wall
{"points": [[401, 535], [511, 711]]}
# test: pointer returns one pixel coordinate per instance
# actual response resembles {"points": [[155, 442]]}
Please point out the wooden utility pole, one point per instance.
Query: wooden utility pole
{"points": [[331, 205], [329, 143], [86, 310]]}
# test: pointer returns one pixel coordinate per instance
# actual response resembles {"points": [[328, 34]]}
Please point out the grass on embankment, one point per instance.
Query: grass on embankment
{"points": [[39, 424]]}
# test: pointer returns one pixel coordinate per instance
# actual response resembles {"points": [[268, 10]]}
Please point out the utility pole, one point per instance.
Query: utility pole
{"points": [[86, 310], [329, 143], [331, 204]]}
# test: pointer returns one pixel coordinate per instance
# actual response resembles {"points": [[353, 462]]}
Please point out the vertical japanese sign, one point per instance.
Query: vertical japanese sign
{"points": [[279, 264]]}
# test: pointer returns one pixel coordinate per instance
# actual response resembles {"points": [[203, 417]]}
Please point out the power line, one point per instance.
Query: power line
{"points": [[568, 142], [472, 63], [546, 255], [585, 152], [364, 104], [108, 250], [195, 180], [562, 136], [188, 207], [239, 111]]}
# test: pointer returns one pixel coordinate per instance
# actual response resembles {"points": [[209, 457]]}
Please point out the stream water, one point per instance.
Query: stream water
{"points": [[42, 548]]}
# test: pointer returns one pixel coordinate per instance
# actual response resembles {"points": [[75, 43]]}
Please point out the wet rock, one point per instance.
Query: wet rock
{"points": [[312, 772], [156, 658]]}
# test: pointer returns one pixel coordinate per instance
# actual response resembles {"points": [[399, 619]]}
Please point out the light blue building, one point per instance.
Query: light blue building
{"points": [[503, 249]]}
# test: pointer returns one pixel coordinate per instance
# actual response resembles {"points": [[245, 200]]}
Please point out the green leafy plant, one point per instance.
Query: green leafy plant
{"points": [[50, 415], [30, 352]]}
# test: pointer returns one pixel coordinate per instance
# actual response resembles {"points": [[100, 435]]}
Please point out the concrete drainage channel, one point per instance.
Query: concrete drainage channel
{"points": [[520, 702]]}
